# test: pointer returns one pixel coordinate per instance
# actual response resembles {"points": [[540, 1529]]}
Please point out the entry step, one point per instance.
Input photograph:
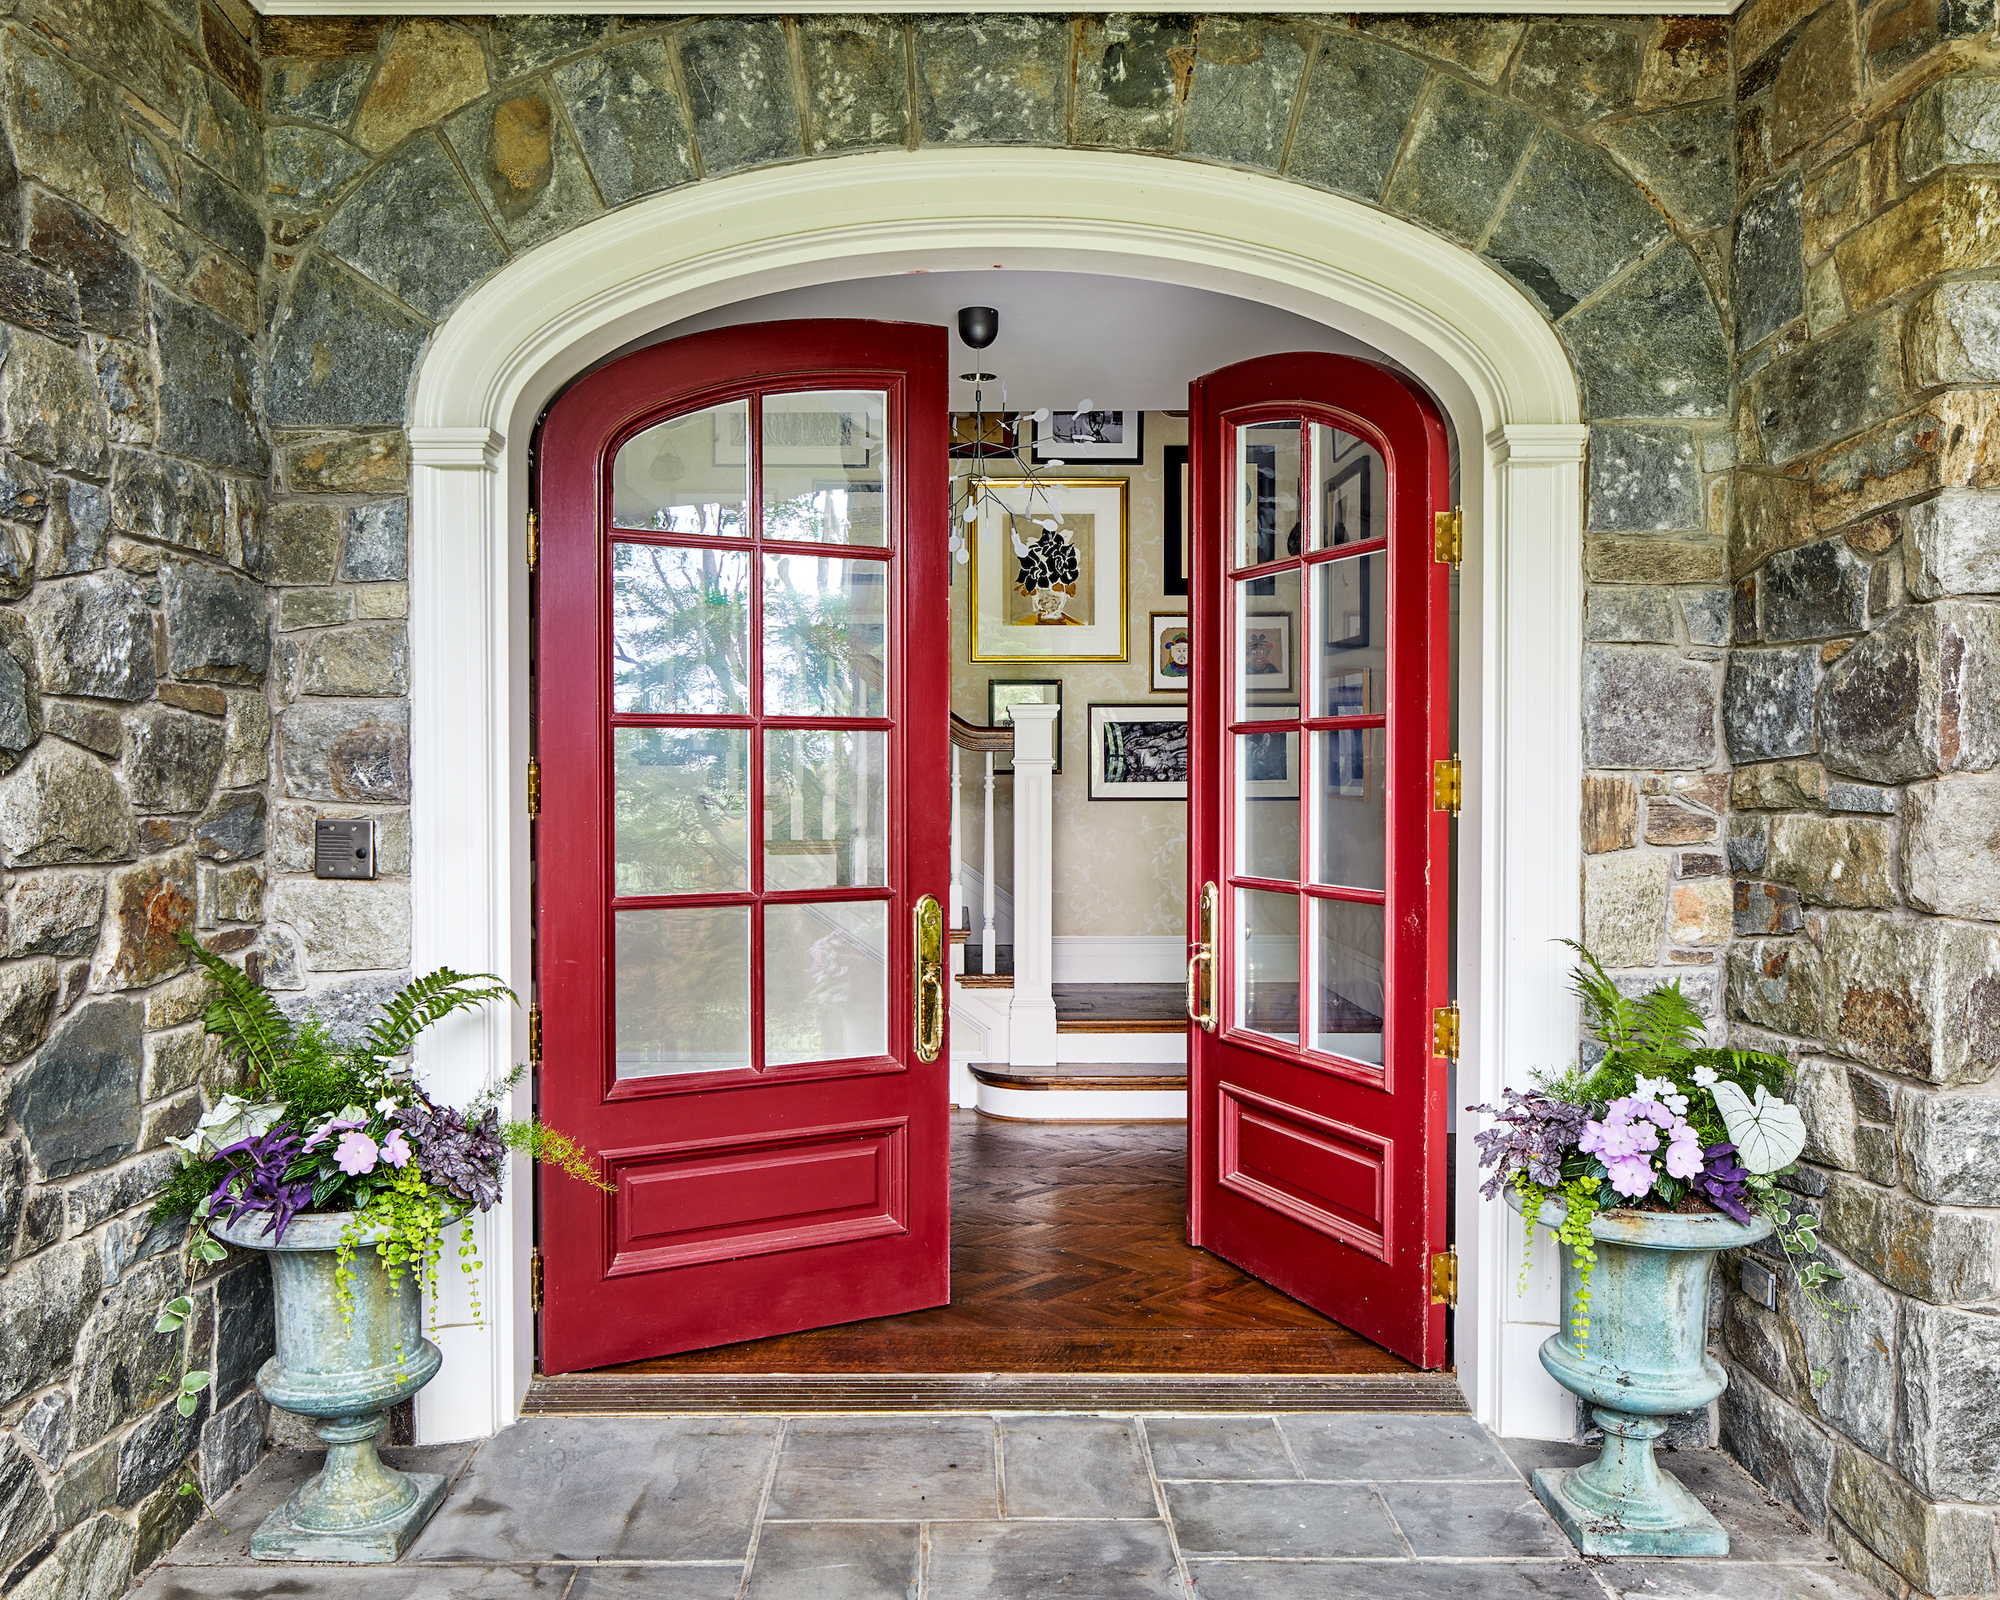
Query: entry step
{"points": [[1083, 1091], [1121, 1075]]}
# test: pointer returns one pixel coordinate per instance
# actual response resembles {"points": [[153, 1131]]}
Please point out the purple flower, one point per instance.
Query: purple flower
{"points": [[257, 1181], [1723, 1181], [1632, 1177], [395, 1148], [355, 1154]]}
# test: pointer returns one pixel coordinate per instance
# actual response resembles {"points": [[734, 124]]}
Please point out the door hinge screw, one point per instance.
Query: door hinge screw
{"points": [[1447, 785], [534, 787], [1444, 1278], [534, 1036], [534, 539], [1444, 1032], [535, 1278], [1450, 530]]}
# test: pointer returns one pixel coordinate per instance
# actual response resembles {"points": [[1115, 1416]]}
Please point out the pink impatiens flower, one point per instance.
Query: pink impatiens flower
{"points": [[1684, 1152], [1632, 1176], [395, 1148], [355, 1154]]}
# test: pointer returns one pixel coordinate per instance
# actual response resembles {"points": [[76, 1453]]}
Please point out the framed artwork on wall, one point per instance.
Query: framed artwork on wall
{"points": [[1179, 541], [1138, 752], [1003, 694], [1116, 437], [1270, 765], [1173, 652], [1265, 640], [1348, 509], [1050, 594], [972, 442]]}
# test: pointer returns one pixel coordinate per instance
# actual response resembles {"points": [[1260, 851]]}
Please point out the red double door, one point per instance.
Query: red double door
{"points": [[743, 678]]}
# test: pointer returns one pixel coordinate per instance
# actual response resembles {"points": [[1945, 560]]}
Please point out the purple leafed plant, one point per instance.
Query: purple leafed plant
{"points": [[260, 1184], [1531, 1138], [465, 1159], [1724, 1181]]}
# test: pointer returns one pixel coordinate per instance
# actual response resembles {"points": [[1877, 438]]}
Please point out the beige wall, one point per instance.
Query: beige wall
{"points": [[1121, 865]]}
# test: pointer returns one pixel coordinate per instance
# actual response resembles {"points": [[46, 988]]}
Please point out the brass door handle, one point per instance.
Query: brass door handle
{"points": [[1201, 962], [930, 1002]]}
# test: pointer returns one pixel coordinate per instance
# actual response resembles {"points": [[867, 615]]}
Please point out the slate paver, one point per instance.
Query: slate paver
{"points": [[653, 1583], [1474, 1519], [1003, 1560], [1732, 1580], [358, 1583], [1281, 1519], [1393, 1580], [1385, 1449], [1218, 1447], [836, 1561], [897, 1469], [1074, 1467]]}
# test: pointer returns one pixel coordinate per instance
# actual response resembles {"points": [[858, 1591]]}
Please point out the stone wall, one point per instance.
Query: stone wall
{"points": [[134, 741], [1862, 711]]}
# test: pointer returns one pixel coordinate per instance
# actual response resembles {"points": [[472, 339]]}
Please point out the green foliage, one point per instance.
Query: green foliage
{"points": [[405, 1219], [427, 1000], [542, 1143], [189, 1186], [243, 1015], [1580, 1202], [318, 1078]]}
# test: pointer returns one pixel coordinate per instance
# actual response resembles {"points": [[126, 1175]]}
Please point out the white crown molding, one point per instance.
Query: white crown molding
{"points": [[762, 8]]}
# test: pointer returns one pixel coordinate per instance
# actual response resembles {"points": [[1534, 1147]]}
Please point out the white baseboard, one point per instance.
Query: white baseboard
{"points": [[1088, 958]]}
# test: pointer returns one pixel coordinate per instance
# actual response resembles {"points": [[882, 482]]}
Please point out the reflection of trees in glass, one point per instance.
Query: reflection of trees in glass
{"points": [[680, 633], [680, 799], [683, 990], [826, 982], [825, 636], [823, 791]]}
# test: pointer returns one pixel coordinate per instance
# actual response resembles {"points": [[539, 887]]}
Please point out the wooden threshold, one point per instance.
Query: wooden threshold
{"points": [[618, 1394]]}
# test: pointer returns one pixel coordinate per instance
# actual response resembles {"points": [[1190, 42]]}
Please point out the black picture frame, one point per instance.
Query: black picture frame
{"points": [[1130, 451], [1355, 641], [1178, 532], [1329, 513]]}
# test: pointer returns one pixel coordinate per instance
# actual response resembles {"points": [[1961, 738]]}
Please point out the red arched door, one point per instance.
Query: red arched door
{"points": [[741, 635], [1318, 866]]}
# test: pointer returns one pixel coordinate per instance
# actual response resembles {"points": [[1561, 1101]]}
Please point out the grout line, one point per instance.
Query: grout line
{"points": [[1160, 1505], [999, 1470], [923, 1560], [1383, 1501], [574, 1573], [763, 1504], [1291, 1455]]}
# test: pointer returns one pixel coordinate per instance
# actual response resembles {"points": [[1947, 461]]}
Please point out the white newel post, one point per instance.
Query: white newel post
{"points": [[467, 790], [1031, 1025]]}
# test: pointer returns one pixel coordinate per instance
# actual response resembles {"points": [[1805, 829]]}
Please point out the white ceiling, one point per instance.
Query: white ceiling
{"points": [[1064, 336]]}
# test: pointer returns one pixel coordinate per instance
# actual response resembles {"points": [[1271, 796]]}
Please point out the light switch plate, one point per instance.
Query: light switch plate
{"points": [[344, 847]]}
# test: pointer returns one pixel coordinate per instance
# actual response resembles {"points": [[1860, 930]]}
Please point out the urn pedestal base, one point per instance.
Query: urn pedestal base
{"points": [[1622, 1504], [355, 1508]]}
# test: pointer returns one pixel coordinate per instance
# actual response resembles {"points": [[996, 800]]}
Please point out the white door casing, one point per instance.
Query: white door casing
{"points": [[1489, 357]]}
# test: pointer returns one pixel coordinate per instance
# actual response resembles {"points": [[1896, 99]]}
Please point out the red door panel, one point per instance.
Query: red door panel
{"points": [[1316, 1108], [741, 678]]}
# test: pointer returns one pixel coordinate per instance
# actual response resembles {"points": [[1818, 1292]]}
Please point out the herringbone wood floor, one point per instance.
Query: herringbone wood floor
{"points": [[1069, 1255]]}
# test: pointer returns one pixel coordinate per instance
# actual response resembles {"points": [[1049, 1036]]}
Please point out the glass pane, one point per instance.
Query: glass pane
{"points": [[826, 981], [680, 803], [1267, 650], [1347, 968], [1350, 507], [1350, 615], [680, 629], [688, 475], [825, 809], [1347, 774], [1267, 808], [1267, 963], [682, 998], [1267, 492], [826, 467], [826, 637]]}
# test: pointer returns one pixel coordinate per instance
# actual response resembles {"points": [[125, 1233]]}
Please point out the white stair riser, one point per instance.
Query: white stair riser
{"points": [[1138, 1048], [1084, 1105]]}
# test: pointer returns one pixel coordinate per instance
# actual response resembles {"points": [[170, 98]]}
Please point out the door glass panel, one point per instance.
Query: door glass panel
{"points": [[1267, 963], [1348, 974], [682, 996], [1350, 615], [680, 629], [1349, 507], [826, 467], [1267, 804], [679, 807], [825, 808], [826, 637], [826, 981], [690, 474], [1267, 645], [1349, 820], [1267, 492]]}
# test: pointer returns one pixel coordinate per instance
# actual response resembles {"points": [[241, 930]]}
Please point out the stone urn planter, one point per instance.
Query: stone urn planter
{"points": [[1646, 1359], [346, 1376]]}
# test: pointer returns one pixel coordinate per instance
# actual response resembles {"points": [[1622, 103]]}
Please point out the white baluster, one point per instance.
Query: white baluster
{"points": [[986, 927], [955, 896], [1031, 1014]]}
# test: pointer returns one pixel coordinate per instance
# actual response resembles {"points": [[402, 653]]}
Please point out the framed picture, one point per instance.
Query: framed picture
{"points": [[1110, 436], [1138, 752], [1179, 536], [1003, 694], [1051, 594], [1346, 601], [1349, 509], [1347, 762], [1270, 764], [1347, 694], [1264, 643], [1173, 652], [971, 442]]}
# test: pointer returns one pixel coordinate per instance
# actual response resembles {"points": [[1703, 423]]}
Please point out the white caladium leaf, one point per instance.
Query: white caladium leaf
{"points": [[1768, 1132]]}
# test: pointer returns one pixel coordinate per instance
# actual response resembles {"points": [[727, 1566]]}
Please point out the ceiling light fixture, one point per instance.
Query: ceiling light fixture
{"points": [[972, 496]]}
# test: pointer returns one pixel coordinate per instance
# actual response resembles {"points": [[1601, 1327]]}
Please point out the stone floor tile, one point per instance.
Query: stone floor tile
{"points": [[224, 1539], [275, 1579], [835, 1561], [1218, 1447], [1281, 1519], [1393, 1580], [1528, 1454], [1358, 1445], [604, 1488], [896, 1469], [652, 1583], [1033, 1560], [1733, 1580], [1073, 1467], [1475, 1519]]}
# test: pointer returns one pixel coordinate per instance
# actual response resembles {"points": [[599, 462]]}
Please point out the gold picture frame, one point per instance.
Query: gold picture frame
{"points": [[1084, 618]]}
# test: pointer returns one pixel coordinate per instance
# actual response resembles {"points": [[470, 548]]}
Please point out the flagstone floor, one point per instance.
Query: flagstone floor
{"points": [[1003, 1507]]}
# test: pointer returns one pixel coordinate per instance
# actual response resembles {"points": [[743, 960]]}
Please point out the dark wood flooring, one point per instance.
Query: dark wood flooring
{"points": [[1069, 1256]]}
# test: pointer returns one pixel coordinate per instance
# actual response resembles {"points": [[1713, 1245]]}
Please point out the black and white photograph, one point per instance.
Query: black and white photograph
{"points": [[1138, 752], [1270, 765], [1070, 436]]}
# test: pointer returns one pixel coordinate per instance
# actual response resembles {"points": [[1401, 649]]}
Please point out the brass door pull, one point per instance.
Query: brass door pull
{"points": [[930, 1003], [1201, 965]]}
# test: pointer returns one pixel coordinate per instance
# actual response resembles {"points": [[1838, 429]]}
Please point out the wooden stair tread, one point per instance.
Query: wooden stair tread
{"points": [[1083, 1075]]}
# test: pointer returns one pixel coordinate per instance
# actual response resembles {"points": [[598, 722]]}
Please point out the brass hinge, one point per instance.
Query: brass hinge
{"points": [[535, 1278], [1444, 1032], [534, 538], [534, 1036], [1444, 1278], [1450, 529], [534, 787], [1447, 785]]}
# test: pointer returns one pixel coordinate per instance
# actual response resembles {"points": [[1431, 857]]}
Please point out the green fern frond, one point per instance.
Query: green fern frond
{"points": [[427, 1000], [243, 1015], [1611, 1016]]}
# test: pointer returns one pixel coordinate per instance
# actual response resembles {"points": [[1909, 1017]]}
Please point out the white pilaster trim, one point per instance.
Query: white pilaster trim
{"points": [[1031, 1014]]}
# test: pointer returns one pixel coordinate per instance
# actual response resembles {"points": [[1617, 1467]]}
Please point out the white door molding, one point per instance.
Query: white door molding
{"points": [[1490, 358]]}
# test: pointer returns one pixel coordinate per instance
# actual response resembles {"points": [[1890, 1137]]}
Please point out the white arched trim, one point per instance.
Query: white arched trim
{"points": [[1447, 316]]}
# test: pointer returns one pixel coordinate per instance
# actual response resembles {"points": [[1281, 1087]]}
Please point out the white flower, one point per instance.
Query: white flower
{"points": [[1707, 1077], [1664, 1090], [387, 1104]]}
